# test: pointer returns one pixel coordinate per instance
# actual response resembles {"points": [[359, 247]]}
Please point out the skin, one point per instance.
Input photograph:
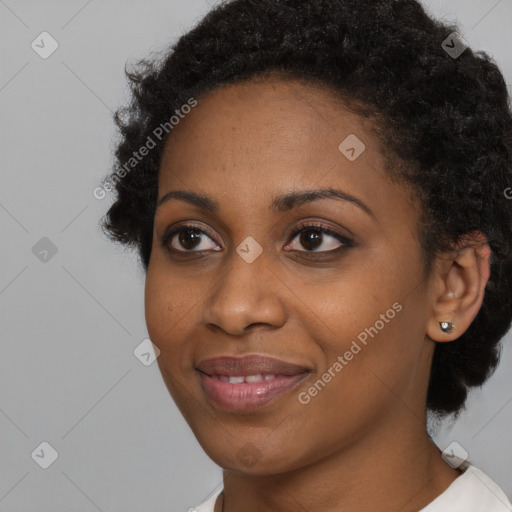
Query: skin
{"points": [[361, 443]]}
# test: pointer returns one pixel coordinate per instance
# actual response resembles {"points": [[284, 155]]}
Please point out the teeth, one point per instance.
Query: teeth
{"points": [[254, 378], [249, 378]]}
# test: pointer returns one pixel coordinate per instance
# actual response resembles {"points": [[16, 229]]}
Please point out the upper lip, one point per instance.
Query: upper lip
{"points": [[249, 365]]}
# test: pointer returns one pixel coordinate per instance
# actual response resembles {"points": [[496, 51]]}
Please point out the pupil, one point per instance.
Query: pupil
{"points": [[313, 241], [188, 237]]}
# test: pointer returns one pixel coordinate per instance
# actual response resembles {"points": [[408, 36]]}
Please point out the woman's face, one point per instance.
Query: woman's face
{"points": [[345, 300]]}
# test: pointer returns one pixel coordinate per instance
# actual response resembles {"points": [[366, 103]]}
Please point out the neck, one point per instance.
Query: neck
{"points": [[397, 467]]}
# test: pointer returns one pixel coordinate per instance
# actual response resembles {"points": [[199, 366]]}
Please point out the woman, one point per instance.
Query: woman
{"points": [[316, 191]]}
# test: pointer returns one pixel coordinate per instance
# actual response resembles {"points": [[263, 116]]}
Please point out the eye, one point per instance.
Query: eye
{"points": [[193, 239], [313, 237], [188, 238]]}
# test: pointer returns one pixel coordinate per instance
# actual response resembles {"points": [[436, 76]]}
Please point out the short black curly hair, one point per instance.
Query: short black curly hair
{"points": [[444, 120]]}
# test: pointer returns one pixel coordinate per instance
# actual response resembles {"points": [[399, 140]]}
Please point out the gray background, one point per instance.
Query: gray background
{"points": [[68, 375]]}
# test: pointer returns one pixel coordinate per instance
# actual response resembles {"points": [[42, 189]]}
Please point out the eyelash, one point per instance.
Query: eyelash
{"points": [[310, 226]]}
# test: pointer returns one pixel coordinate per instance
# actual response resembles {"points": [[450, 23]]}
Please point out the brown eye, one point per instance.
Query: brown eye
{"points": [[189, 239], [320, 239], [311, 239]]}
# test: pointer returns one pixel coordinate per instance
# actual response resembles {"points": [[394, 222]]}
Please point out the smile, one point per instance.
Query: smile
{"points": [[239, 393], [250, 382]]}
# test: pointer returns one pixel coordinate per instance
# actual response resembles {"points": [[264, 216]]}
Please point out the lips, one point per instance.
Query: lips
{"points": [[248, 366], [250, 382]]}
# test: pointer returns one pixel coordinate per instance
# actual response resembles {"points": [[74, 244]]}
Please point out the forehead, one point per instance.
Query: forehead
{"points": [[245, 144], [259, 127], [265, 108]]}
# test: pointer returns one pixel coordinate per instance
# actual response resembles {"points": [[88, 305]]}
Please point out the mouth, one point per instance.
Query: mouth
{"points": [[239, 379], [250, 382]]}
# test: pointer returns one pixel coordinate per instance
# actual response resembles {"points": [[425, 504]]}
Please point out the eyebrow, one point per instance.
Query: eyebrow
{"points": [[280, 204]]}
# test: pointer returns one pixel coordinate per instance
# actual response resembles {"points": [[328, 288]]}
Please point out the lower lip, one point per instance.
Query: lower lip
{"points": [[247, 396]]}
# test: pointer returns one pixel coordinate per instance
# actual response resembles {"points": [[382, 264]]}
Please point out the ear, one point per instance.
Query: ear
{"points": [[459, 281]]}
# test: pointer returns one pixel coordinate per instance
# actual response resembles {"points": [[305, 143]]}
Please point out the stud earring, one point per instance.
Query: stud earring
{"points": [[446, 327]]}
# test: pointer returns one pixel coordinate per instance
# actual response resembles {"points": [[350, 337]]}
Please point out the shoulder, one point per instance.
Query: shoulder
{"points": [[473, 491], [208, 504]]}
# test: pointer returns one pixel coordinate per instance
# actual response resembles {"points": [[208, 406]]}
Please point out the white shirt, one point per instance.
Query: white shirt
{"points": [[473, 491]]}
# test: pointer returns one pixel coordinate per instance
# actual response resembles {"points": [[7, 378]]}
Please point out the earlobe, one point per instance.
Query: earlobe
{"points": [[460, 285]]}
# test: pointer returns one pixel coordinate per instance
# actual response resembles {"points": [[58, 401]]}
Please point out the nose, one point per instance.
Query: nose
{"points": [[247, 294]]}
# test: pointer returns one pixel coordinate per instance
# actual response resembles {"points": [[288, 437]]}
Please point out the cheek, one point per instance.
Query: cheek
{"points": [[163, 311], [172, 302], [350, 301], [368, 329], [368, 372], [156, 306], [165, 308]]}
